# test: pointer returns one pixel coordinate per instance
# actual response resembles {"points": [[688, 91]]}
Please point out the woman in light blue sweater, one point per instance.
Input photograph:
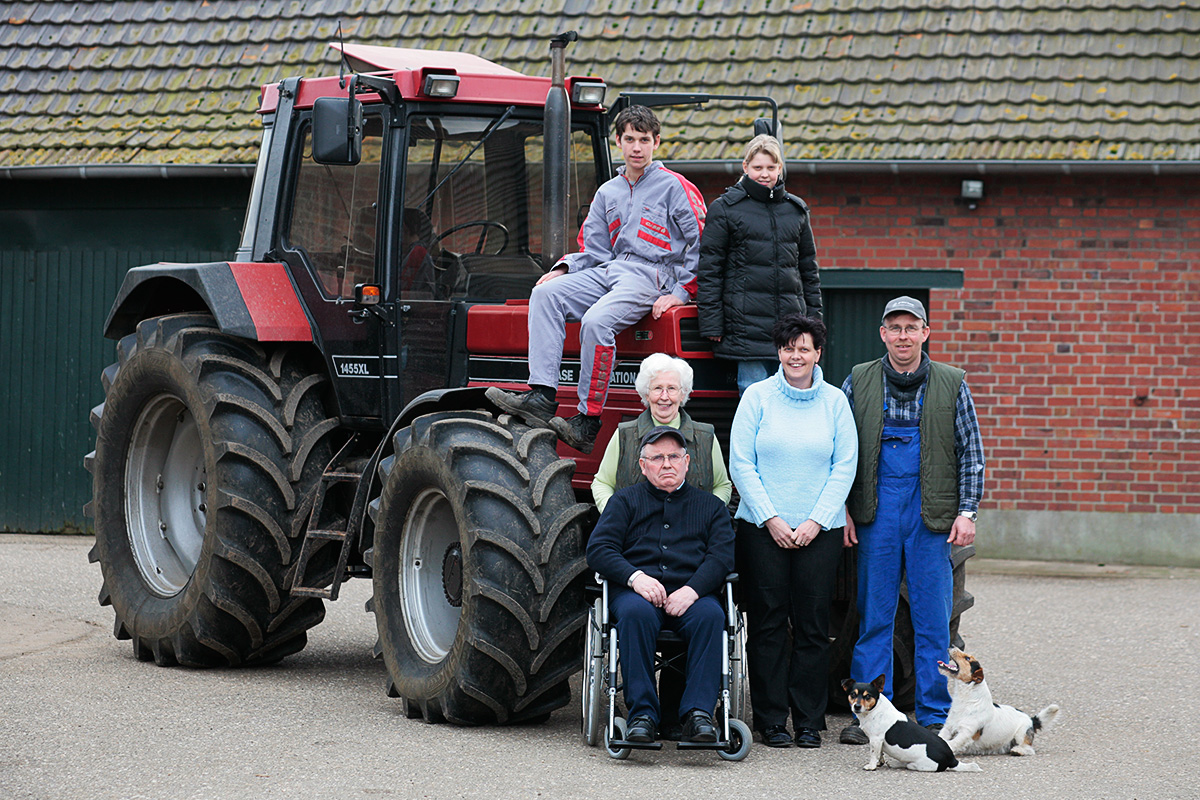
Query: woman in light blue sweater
{"points": [[792, 455]]}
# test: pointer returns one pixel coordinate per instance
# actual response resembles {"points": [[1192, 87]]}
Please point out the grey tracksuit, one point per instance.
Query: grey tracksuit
{"points": [[639, 242]]}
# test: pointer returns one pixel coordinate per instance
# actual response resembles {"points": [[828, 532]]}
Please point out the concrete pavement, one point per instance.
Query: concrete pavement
{"points": [[80, 717]]}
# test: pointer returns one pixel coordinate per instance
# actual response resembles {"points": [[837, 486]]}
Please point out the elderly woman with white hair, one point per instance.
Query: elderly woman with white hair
{"points": [[664, 383]]}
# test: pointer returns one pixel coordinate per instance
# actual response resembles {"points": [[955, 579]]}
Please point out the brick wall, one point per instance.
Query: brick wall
{"points": [[1078, 321]]}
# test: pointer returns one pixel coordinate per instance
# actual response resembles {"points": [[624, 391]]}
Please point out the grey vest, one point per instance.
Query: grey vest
{"points": [[939, 466], [699, 438]]}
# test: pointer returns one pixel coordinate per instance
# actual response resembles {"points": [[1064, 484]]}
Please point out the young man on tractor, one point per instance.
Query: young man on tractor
{"points": [[639, 249]]}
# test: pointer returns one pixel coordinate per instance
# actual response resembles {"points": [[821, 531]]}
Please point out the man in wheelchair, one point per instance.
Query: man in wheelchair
{"points": [[666, 548]]}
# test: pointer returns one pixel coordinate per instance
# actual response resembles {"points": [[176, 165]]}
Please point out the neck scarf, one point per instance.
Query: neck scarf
{"points": [[905, 384]]}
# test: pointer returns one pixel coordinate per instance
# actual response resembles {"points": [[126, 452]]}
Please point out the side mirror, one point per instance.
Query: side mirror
{"points": [[337, 130]]}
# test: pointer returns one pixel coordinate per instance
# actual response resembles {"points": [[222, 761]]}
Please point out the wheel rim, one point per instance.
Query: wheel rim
{"points": [[593, 666], [165, 483], [737, 668], [431, 575]]}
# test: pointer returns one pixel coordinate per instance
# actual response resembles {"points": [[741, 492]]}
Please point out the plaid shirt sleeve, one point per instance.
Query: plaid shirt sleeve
{"points": [[968, 448]]}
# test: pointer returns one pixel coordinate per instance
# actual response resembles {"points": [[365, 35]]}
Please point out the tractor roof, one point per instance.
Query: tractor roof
{"points": [[480, 80]]}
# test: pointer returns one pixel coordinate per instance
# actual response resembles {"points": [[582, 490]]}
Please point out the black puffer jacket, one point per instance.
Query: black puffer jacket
{"points": [[758, 262]]}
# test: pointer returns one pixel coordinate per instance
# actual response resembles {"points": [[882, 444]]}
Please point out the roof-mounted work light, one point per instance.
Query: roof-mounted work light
{"points": [[587, 93], [439, 84]]}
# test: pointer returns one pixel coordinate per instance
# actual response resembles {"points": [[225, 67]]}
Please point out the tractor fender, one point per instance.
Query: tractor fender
{"points": [[250, 300], [466, 398]]}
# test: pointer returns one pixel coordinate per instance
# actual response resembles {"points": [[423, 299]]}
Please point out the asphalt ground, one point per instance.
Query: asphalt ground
{"points": [[81, 718]]}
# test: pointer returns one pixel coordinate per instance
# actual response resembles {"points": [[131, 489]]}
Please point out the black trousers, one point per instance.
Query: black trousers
{"points": [[787, 596]]}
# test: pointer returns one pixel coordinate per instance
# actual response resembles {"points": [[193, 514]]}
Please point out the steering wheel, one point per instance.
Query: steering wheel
{"points": [[485, 224]]}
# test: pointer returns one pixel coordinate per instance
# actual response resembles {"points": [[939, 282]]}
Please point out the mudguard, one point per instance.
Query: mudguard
{"points": [[251, 300]]}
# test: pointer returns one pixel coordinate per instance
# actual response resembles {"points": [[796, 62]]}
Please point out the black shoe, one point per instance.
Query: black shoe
{"points": [[534, 406], [579, 431], [641, 729], [934, 726], [808, 737], [776, 736], [853, 734], [698, 727]]}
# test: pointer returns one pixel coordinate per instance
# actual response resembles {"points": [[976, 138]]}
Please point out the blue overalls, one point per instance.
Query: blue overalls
{"points": [[897, 541]]}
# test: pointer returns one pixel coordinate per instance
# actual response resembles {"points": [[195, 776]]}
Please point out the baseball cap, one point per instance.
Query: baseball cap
{"points": [[908, 305], [656, 433]]}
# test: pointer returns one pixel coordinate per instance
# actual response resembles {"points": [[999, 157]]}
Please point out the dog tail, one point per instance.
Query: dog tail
{"points": [[1045, 718], [965, 766]]}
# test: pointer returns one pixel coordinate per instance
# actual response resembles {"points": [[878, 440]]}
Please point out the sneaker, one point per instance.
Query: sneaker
{"points": [[934, 727], [853, 734], [532, 406], [579, 431]]}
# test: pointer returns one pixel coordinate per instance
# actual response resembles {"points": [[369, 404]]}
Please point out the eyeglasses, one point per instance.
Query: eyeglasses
{"points": [[670, 458], [911, 330], [669, 391]]}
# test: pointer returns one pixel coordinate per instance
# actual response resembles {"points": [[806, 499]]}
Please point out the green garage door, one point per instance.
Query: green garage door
{"points": [[52, 350], [854, 301]]}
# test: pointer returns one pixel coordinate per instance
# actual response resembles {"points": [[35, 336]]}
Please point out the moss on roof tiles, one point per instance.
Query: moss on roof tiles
{"points": [[880, 79]]}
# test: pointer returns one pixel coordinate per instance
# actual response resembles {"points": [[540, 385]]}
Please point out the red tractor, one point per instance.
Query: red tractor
{"points": [[314, 410]]}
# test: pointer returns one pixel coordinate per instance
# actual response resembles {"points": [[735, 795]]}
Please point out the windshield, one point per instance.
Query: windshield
{"points": [[472, 222]]}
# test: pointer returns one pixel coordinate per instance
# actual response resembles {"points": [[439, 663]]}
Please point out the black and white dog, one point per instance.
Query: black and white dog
{"points": [[894, 735], [976, 725]]}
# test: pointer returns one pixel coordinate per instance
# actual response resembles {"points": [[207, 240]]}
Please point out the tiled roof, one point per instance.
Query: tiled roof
{"points": [[139, 82]]}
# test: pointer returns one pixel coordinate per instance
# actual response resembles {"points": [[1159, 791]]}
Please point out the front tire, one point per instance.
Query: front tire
{"points": [[205, 443], [478, 554]]}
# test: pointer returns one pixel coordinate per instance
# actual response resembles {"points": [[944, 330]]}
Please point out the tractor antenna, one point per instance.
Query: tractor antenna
{"points": [[344, 64]]}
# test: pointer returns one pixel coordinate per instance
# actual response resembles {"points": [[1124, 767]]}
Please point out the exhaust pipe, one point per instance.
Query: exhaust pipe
{"points": [[556, 154]]}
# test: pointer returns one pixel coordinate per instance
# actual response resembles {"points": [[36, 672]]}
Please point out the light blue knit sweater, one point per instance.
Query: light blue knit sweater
{"points": [[793, 452]]}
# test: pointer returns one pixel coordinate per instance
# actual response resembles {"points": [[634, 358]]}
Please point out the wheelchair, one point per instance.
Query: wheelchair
{"points": [[601, 683]]}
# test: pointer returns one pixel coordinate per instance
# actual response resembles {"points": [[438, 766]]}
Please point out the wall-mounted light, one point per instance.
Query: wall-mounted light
{"points": [[972, 191]]}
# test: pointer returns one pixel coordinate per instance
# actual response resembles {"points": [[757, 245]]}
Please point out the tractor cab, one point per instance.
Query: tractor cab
{"points": [[407, 194]]}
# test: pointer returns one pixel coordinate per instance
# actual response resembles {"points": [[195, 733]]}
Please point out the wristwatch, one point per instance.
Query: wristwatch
{"points": [[971, 515]]}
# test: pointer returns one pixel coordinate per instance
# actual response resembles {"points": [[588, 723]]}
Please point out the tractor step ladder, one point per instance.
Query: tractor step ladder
{"points": [[315, 537]]}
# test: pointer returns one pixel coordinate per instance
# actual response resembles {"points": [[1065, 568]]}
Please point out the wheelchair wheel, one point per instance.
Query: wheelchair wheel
{"points": [[740, 739], [739, 694], [593, 676], [620, 753]]}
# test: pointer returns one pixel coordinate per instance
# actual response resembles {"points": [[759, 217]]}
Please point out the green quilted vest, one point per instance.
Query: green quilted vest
{"points": [[939, 466], [699, 438]]}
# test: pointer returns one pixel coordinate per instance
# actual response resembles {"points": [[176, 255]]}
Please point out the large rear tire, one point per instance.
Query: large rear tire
{"points": [[477, 565], [206, 445]]}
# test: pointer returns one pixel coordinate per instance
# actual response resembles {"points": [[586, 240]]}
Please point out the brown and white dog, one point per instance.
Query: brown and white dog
{"points": [[895, 735], [976, 725]]}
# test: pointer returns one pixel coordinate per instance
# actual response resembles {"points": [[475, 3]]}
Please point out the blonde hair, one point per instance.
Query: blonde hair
{"points": [[764, 143]]}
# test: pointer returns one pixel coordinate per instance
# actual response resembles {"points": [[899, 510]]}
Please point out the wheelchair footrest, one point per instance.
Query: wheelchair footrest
{"points": [[621, 744], [717, 745]]}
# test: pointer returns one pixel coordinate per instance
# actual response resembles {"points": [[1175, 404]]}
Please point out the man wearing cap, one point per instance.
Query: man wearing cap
{"points": [[666, 547], [916, 493]]}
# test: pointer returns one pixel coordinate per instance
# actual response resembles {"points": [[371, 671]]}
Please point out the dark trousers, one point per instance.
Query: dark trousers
{"points": [[784, 589], [638, 625]]}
